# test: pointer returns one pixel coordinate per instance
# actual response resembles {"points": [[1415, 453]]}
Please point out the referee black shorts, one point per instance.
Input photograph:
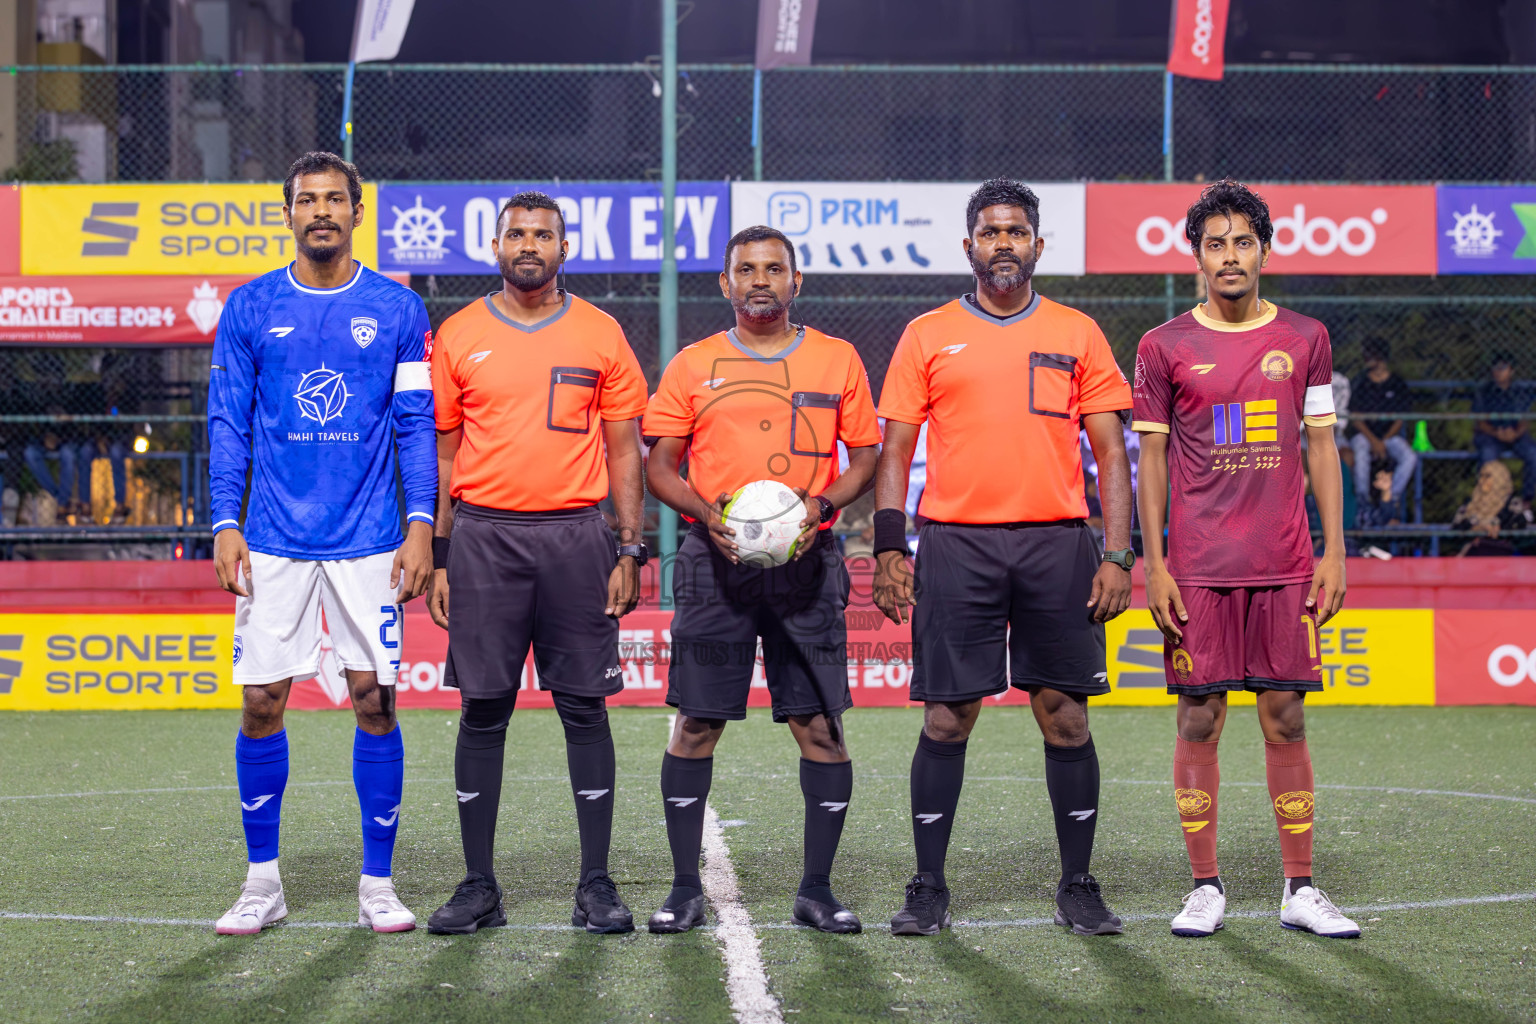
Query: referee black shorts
{"points": [[720, 611], [540, 578], [1005, 605]]}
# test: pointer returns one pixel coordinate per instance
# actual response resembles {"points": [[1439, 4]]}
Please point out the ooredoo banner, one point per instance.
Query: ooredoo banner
{"points": [[165, 229], [1319, 229], [1485, 656], [1197, 42], [113, 310], [874, 227]]}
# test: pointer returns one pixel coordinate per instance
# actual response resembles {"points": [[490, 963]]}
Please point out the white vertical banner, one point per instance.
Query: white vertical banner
{"points": [[899, 228], [380, 28]]}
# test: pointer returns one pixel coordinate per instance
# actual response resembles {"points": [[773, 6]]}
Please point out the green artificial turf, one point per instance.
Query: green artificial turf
{"points": [[136, 817]]}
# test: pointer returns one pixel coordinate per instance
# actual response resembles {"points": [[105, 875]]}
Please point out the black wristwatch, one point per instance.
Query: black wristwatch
{"points": [[1124, 559], [828, 510], [639, 552]]}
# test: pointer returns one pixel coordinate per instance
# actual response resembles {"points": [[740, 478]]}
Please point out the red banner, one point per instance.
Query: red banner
{"points": [[111, 310], [10, 230], [1197, 44], [1485, 656], [114, 310], [879, 667], [1319, 229]]}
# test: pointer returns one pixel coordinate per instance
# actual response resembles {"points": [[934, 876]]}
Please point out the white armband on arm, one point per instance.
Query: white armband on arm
{"points": [[1317, 408], [413, 376]]}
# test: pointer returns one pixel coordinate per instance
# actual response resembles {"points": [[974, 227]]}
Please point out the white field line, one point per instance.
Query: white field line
{"points": [[231, 789], [1022, 922], [1396, 790], [746, 982]]}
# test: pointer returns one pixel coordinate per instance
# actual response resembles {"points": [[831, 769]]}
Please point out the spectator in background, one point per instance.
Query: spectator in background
{"points": [[1493, 509], [59, 442], [1496, 434], [1379, 390], [1380, 508]]}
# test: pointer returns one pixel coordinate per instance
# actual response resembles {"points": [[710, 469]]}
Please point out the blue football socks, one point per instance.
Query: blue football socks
{"points": [[378, 772], [261, 771]]}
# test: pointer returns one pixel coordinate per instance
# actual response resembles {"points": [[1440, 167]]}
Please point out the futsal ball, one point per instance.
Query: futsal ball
{"points": [[766, 516]]}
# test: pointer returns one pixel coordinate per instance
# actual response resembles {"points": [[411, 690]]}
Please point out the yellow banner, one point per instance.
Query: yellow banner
{"points": [[165, 229], [116, 662], [1369, 656]]}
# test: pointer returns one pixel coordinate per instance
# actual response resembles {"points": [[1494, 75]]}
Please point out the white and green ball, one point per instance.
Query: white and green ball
{"points": [[766, 516]]}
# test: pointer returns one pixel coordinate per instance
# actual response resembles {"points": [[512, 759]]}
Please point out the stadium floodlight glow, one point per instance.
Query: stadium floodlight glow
{"points": [[141, 444]]}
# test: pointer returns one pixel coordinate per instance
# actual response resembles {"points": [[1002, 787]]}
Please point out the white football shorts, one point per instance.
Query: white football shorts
{"points": [[278, 629]]}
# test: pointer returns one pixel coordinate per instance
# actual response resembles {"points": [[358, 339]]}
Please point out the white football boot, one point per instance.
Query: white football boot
{"points": [[260, 904], [1310, 910], [379, 908], [1202, 914]]}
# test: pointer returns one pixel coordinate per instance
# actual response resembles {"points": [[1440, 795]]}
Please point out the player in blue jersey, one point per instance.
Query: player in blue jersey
{"points": [[319, 385]]}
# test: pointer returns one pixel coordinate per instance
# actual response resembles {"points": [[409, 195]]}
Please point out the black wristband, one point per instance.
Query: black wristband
{"points": [[440, 552], [890, 530]]}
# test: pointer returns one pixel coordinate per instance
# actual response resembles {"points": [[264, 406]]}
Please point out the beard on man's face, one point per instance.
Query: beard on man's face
{"points": [[759, 312], [1003, 281], [324, 253], [526, 273]]}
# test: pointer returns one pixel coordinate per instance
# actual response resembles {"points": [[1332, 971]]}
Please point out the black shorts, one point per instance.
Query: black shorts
{"points": [[720, 611], [540, 578], [1008, 604]]}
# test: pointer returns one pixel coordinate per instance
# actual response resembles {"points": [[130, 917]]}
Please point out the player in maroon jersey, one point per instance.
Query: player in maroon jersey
{"points": [[1222, 394]]}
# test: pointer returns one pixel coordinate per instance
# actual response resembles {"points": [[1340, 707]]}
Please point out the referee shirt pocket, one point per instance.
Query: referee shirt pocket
{"points": [[1052, 379], [572, 391], [813, 431]]}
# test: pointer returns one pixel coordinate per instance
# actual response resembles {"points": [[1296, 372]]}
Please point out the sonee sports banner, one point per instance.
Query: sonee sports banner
{"points": [[165, 229], [178, 660]]}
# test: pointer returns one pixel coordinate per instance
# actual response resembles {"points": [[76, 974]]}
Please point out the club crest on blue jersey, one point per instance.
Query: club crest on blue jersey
{"points": [[322, 395], [364, 330]]}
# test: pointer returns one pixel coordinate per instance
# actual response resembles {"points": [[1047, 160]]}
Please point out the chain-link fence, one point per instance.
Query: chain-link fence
{"points": [[527, 122], [831, 123]]}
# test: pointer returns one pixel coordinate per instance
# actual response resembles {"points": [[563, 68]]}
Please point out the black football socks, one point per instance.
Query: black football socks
{"points": [[477, 767], [589, 755], [1072, 779], [827, 789], [938, 772], [684, 789]]}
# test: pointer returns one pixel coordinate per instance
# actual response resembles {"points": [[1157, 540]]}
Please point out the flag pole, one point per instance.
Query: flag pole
{"points": [[346, 113], [667, 309], [757, 124]]}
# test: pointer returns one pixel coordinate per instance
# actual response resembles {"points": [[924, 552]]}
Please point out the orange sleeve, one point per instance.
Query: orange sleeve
{"points": [[857, 426], [670, 413], [1102, 387], [447, 397], [904, 395], [623, 393]]}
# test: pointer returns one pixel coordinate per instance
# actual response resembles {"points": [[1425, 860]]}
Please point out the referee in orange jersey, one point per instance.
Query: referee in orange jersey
{"points": [[538, 396], [768, 399], [1011, 587]]}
